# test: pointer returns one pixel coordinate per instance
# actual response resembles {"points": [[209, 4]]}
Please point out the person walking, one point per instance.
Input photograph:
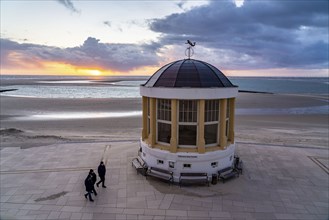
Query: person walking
{"points": [[89, 187], [94, 179], [101, 174]]}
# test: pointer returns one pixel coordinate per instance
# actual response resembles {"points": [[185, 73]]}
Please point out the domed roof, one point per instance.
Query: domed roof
{"points": [[188, 73]]}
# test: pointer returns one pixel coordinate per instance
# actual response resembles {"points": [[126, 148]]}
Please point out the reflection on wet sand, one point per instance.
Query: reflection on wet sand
{"points": [[77, 115]]}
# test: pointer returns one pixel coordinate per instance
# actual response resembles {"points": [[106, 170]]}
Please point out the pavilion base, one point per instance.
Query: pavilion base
{"points": [[183, 162]]}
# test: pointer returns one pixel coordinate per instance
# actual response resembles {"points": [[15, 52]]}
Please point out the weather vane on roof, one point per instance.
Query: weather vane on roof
{"points": [[189, 51]]}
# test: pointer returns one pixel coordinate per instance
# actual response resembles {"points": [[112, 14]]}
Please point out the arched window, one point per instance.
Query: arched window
{"points": [[211, 117], [187, 122], [163, 120]]}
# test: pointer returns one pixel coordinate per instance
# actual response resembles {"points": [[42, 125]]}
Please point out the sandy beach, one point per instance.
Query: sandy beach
{"points": [[260, 118]]}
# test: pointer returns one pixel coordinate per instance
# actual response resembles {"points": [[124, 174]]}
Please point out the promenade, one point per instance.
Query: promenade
{"points": [[47, 182]]}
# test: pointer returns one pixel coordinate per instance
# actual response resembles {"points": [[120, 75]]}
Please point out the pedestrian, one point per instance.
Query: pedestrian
{"points": [[89, 187], [101, 174], [94, 179], [237, 160]]}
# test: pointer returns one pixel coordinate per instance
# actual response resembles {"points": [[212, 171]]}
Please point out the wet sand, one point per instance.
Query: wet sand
{"points": [[19, 130]]}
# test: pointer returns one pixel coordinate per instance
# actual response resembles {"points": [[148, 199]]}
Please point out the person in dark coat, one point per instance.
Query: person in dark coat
{"points": [[89, 187], [94, 179], [101, 174], [237, 160]]}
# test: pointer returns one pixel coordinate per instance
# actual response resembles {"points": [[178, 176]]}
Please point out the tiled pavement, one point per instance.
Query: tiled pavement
{"points": [[48, 183]]}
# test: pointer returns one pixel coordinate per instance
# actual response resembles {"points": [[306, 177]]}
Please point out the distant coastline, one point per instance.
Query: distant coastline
{"points": [[249, 91], [7, 90]]}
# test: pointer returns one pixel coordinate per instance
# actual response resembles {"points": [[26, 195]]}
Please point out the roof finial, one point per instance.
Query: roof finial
{"points": [[189, 49]]}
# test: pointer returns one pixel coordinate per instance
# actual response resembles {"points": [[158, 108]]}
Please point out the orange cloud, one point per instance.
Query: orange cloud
{"points": [[91, 58], [57, 68]]}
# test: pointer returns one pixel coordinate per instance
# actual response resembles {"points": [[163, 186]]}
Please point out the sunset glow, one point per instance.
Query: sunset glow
{"points": [[123, 38], [90, 72], [53, 68]]}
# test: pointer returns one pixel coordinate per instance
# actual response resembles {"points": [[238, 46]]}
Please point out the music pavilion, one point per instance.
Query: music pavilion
{"points": [[188, 118]]}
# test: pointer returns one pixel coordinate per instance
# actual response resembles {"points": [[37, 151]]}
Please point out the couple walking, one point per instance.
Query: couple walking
{"points": [[92, 178]]}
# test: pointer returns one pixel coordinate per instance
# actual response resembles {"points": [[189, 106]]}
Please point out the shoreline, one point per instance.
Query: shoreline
{"points": [[283, 129]]}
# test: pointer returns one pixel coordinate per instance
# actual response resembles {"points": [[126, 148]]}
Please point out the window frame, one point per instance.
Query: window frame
{"points": [[217, 101], [162, 121], [184, 123]]}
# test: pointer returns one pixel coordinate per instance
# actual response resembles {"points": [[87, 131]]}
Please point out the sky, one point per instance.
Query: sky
{"points": [[241, 37]]}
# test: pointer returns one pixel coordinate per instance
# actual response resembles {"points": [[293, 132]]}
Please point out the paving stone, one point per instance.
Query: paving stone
{"points": [[145, 217], [87, 216], [198, 208], [322, 204], [133, 211], [132, 217], [120, 217], [197, 214], [31, 207], [285, 216], [54, 215], [176, 213], [321, 217], [76, 215], [153, 204], [262, 216], [278, 183], [213, 214], [159, 217], [113, 210], [102, 216], [50, 208], [71, 209], [156, 212], [65, 215]]}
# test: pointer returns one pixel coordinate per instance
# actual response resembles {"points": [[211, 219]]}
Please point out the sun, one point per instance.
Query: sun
{"points": [[95, 72]]}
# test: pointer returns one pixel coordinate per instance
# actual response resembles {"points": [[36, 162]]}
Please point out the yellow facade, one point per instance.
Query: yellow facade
{"points": [[224, 138], [173, 139], [144, 130], [201, 144], [222, 121], [152, 137]]}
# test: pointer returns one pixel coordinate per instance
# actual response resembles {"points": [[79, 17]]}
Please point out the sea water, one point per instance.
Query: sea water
{"points": [[71, 87], [128, 87], [283, 85]]}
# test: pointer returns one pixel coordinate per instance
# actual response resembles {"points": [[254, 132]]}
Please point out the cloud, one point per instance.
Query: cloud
{"points": [[69, 5], [92, 53], [181, 4], [259, 34], [107, 23]]}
